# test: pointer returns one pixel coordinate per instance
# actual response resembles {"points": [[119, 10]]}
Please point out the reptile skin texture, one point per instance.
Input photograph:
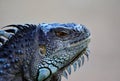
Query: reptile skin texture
{"points": [[42, 52]]}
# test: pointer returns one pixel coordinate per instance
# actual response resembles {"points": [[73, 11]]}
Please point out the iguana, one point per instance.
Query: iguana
{"points": [[42, 52]]}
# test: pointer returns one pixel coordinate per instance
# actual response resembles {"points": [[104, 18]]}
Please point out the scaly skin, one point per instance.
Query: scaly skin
{"points": [[41, 52]]}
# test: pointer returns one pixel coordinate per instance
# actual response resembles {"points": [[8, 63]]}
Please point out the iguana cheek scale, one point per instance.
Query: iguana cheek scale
{"points": [[42, 52]]}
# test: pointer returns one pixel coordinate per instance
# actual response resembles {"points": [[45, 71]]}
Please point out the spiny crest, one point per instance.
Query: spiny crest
{"points": [[7, 32], [77, 63]]}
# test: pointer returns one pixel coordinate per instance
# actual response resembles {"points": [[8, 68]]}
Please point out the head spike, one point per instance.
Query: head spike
{"points": [[5, 34], [69, 69], [65, 74]]}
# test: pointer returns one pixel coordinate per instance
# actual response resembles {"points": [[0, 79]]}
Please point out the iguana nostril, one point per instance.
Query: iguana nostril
{"points": [[86, 30]]}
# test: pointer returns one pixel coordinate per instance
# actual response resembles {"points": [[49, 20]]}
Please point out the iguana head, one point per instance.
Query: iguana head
{"points": [[61, 46]]}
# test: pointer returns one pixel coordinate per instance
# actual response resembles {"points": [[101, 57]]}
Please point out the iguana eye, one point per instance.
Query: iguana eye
{"points": [[61, 33]]}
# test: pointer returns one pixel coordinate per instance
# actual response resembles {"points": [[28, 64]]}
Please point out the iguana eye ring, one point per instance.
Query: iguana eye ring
{"points": [[61, 33]]}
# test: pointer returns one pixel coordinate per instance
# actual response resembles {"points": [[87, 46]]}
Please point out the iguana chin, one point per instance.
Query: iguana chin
{"points": [[42, 52]]}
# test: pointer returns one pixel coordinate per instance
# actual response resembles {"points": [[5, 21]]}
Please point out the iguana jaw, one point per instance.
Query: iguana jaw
{"points": [[79, 57]]}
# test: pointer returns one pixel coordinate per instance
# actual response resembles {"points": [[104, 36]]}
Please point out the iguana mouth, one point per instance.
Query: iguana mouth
{"points": [[77, 60]]}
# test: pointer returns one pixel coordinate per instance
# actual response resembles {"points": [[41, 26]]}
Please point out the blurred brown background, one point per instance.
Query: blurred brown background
{"points": [[102, 17]]}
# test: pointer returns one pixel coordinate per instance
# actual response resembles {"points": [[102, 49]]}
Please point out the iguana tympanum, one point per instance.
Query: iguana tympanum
{"points": [[42, 52]]}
